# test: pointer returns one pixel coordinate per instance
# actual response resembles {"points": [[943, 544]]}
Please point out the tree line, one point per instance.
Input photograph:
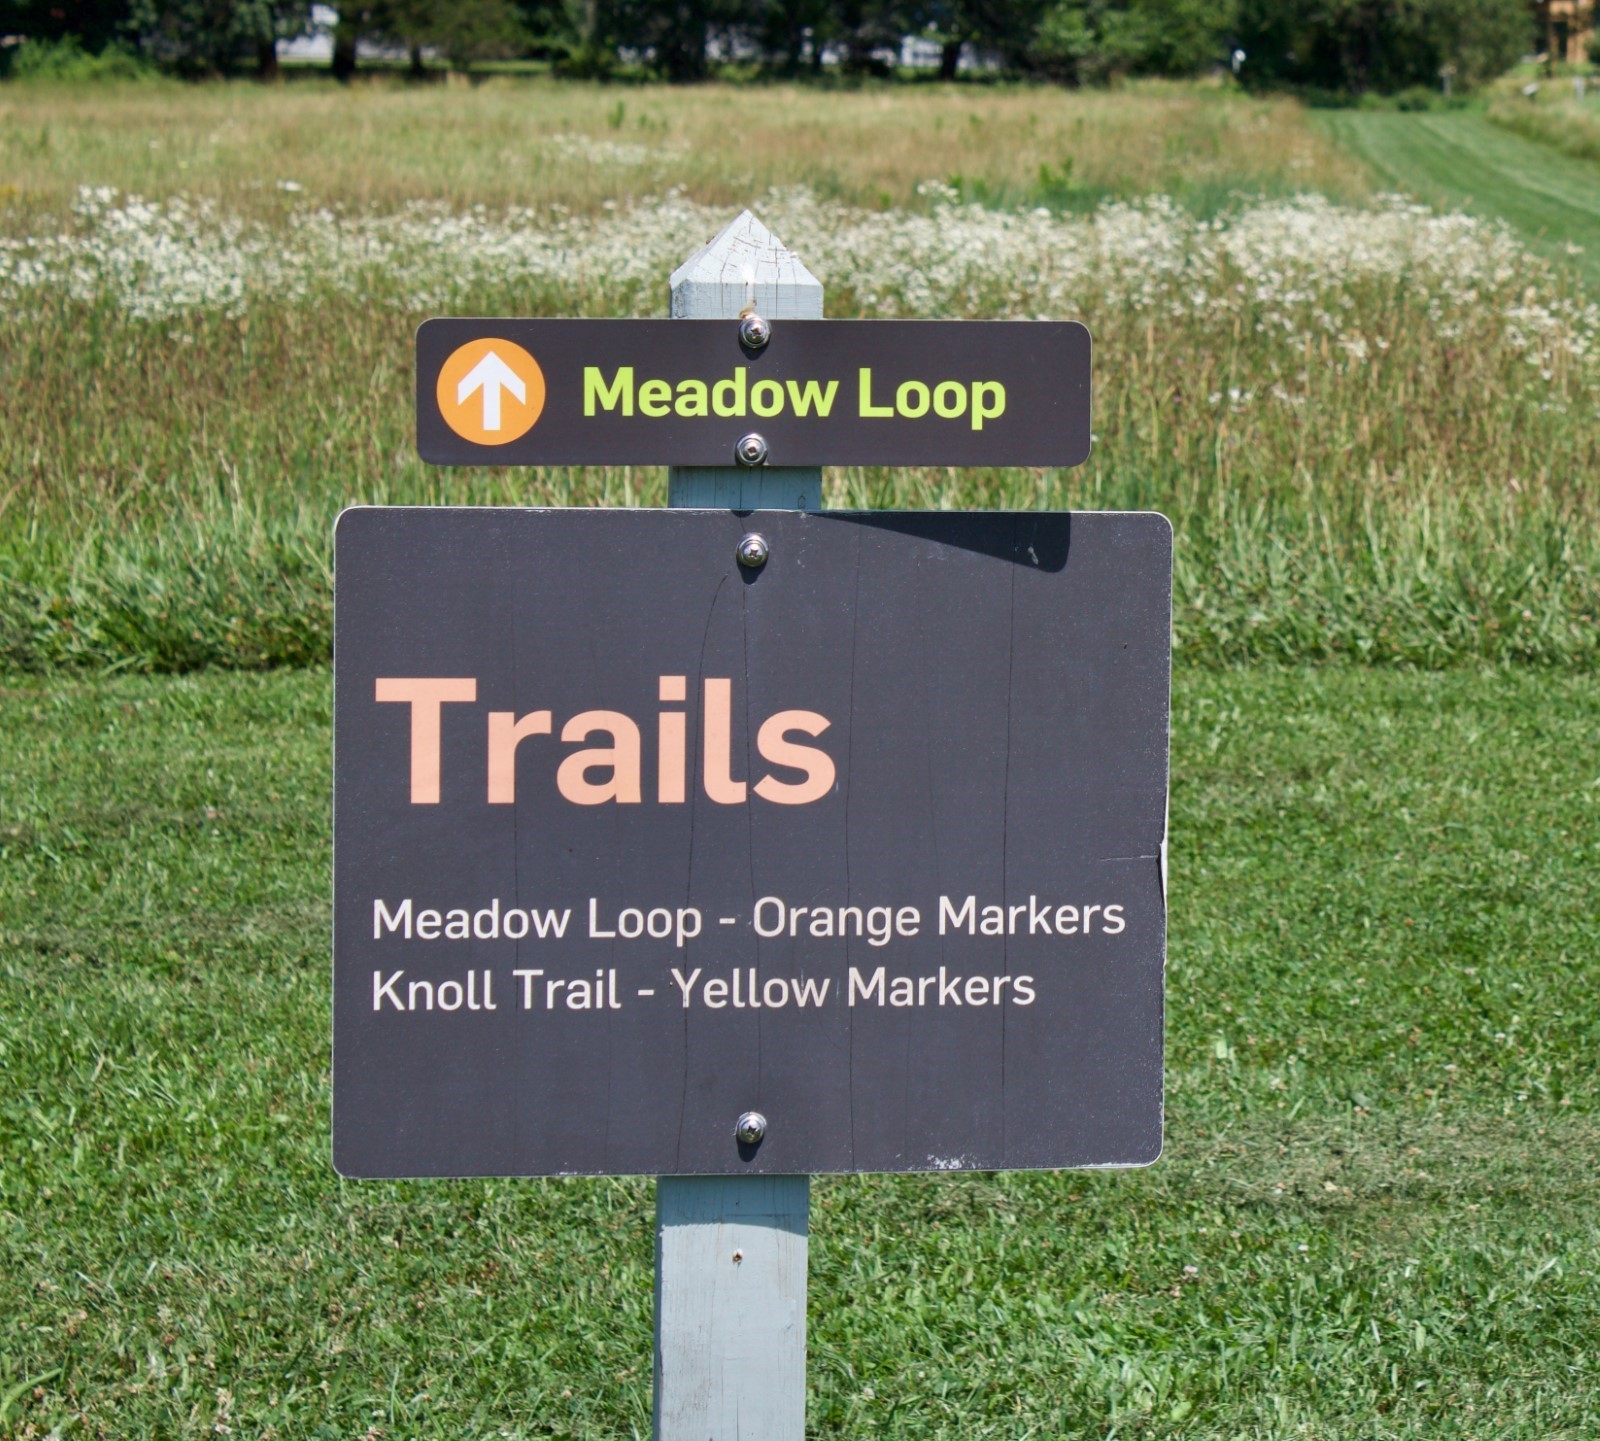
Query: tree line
{"points": [[1348, 46]]}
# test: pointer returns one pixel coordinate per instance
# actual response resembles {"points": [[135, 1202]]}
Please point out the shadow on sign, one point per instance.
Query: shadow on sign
{"points": [[1039, 542]]}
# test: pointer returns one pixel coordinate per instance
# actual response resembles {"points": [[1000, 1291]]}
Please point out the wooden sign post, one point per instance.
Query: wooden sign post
{"points": [[745, 841], [731, 1250]]}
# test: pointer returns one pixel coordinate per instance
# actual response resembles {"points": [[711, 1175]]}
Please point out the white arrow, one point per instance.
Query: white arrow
{"points": [[491, 375]]}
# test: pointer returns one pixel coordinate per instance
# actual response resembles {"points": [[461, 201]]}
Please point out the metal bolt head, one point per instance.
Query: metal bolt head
{"points": [[752, 450], [752, 551], [751, 1128], [754, 331]]}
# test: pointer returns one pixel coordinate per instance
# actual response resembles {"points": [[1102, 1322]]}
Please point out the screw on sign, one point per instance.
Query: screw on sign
{"points": [[491, 391], [752, 551], [754, 332]]}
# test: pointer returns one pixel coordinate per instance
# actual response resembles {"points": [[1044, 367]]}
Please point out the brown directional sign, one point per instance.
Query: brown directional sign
{"points": [[686, 392], [632, 838]]}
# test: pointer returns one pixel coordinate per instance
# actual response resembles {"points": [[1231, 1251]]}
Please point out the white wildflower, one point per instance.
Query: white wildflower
{"points": [[1286, 268]]}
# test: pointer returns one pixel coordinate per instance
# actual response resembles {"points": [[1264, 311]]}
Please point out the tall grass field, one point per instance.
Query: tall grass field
{"points": [[1356, 367], [1369, 422]]}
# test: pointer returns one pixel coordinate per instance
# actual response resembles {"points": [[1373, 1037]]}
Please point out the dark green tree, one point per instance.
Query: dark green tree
{"points": [[866, 29], [1354, 46], [1482, 39], [217, 37], [791, 33], [463, 31], [95, 24], [1003, 27], [1085, 41], [1179, 37], [1065, 44], [676, 34], [559, 30], [952, 25]]}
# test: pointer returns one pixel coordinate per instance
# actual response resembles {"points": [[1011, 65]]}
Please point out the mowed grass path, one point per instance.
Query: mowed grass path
{"points": [[1375, 1217], [1461, 160]]}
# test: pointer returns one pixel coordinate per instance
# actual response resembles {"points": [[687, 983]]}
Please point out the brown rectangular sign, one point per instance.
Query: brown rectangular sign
{"points": [[687, 392], [632, 838]]}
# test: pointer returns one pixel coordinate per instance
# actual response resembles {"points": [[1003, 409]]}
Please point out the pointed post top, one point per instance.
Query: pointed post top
{"points": [[746, 262]]}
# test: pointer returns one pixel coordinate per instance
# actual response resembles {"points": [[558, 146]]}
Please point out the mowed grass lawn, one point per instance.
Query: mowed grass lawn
{"points": [[1375, 1217], [1462, 160]]}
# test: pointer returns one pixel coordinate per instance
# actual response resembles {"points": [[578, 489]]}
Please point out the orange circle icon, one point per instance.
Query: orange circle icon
{"points": [[490, 391]]}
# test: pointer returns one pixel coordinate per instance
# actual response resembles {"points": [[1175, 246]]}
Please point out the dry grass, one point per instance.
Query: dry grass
{"points": [[377, 145]]}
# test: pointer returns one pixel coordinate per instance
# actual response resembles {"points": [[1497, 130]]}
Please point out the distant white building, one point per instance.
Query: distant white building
{"points": [[316, 47], [917, 52]]}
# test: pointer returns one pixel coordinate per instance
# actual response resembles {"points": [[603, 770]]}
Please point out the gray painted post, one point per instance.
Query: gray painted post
{"points": [[746, 264], [731, 1250]]}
